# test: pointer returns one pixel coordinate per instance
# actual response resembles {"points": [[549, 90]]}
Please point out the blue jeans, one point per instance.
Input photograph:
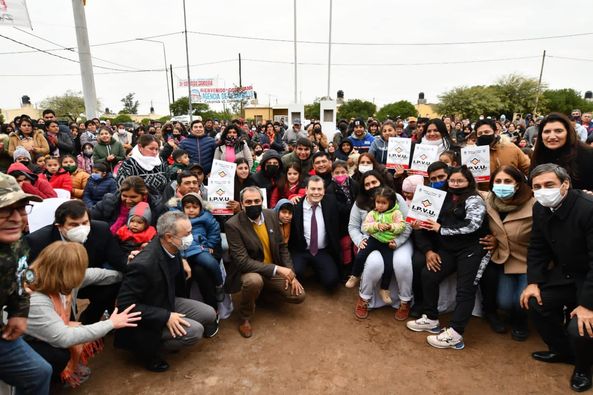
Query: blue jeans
{"points": [[207, 261], [23, 368], [510, 287]]}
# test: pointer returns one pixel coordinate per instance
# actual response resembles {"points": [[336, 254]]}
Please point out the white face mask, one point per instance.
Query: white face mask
{"points": [[363, 168], [121, 131], [432, 142], [78, 234], [548, 197], [186, 242]]}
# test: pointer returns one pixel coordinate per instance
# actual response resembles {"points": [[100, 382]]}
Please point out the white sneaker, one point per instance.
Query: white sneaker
{"points": [[448, 338], [352, 282], [424, 324]]}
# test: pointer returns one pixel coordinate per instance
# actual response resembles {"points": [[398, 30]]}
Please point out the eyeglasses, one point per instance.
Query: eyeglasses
{"points": [[457, 182], [6, 212]]}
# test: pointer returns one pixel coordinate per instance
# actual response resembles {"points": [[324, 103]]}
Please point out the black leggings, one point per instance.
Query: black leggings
{"points": [[387, 255]]}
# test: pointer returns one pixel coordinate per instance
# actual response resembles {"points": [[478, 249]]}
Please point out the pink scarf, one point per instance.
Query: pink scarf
{"points": [[229, 154], [121, 220]]}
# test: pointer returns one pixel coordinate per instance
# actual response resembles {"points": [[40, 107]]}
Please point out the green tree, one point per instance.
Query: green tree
{"points": [[121, 118], [145, 121], [357, 108], [564, 101], [130, 105], [164, 119], [517, 93], [312, 110], [402, 108], [469, 102], [179, 107], [68, 106], [1, 117]]}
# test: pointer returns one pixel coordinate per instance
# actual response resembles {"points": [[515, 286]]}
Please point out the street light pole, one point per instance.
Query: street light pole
{"points": [[189, 107], [329, 54], [295, 51], [166, 69]]}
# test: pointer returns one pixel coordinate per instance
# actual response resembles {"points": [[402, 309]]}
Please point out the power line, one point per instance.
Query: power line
{"points": [[72, 49], [392, 44], [568, 58]]}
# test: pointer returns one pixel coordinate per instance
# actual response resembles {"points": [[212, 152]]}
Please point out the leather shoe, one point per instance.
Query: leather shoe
{"points": [[580, 381], [157, 365], [551, 357], [245, 329]]}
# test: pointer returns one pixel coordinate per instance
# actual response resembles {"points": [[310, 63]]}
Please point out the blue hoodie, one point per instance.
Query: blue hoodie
{"points": [[362, 144]]}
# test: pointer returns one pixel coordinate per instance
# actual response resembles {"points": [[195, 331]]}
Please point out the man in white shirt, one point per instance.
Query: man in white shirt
{"points": [[314, 234]]}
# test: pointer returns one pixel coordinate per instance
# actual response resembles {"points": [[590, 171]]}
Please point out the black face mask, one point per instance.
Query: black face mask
{"points": [[253, 212], [176, 136], [458, 191], [372, 191], [258, 152], [485, 139], [272, 170]]}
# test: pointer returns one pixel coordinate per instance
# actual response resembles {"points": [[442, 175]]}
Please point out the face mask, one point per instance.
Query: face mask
{"points": [[438, 184], [78, 234], [365, 168], [96, 176], [258, 152], [253, 212], [372, 191], [503, 191], [25, 162], [88, 152], [177, 136], [457, 191], [316, 130], [185, 242], [70, 169], [340, 179], [272, 170], [121, 131], [485, 139], [548, 197], [230, 140]]}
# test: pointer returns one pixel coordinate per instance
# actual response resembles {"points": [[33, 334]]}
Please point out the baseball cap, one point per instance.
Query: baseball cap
{"points": [[297, 122], [11, 192]]}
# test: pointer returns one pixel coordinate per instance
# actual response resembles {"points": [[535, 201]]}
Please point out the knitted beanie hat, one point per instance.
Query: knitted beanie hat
{"points": [[141, 209]]}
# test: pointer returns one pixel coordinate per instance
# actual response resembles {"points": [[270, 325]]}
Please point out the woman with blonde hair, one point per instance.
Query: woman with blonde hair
{"points": [[53, 280]]}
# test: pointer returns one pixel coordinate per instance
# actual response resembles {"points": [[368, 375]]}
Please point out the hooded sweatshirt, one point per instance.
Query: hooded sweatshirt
{"points": [[35, 185], [265, 180]]}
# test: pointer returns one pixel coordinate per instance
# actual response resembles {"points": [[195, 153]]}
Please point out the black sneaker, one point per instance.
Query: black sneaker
{"points": [[219, 293], [157, 365], [495, 322], [211, 329]]}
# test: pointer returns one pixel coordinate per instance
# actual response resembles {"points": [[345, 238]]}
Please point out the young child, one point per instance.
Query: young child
{"points": [[99, 183], [56, 175], [450, 158], [137, 232], [206, 234], [284, 208], [383, 224], [290, 186], [181, 162], [84, 160], [409, 186]]}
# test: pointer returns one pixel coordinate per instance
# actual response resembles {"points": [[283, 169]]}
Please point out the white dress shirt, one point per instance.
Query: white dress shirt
{"points": [[321, 235]]}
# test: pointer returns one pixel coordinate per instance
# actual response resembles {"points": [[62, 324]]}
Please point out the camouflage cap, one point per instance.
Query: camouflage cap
{"points": [[11, 192]]}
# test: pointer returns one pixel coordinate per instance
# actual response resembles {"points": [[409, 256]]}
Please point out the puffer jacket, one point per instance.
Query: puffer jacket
{"points": [[79, 181], [200, 150], [96, 189], [39, 142], [379, 149], [109, 207], [36, 184], [206, 232], [60, 180]]}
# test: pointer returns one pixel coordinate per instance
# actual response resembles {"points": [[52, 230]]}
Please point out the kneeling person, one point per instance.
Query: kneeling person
{"points": [[260, 258]]}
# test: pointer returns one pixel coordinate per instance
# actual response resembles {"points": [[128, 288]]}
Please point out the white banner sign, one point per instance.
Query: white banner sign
{"points": [[220, 193], [426, 204], [223, 170], [14, 13], [398, 152], [221, 95], [424, 156], [477, 160], [195, 82]]}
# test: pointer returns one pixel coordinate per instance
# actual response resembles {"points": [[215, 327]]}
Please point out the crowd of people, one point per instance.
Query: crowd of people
{"points": [[137, 237]]}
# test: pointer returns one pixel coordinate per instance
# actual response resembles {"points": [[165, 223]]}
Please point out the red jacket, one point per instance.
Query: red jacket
{"points": [[61, 180], [287, 193], [35, 184]]}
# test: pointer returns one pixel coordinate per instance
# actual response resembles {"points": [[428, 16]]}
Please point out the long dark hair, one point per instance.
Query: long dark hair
{"points": [[283, 181], [564, 156], [442, 128], [226, 131], [248, 182], [365, 200], [471, 188]]}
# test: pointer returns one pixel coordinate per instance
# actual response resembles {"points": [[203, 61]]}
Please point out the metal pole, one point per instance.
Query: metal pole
{"points": [[240, 82], [189, 107], [295, 51], [539, 83], [329, 53], [166, 68], [172, 86], [86, 63]]}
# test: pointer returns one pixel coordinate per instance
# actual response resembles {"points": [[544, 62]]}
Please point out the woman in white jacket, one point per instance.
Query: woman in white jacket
{"points": [[54, 279]]}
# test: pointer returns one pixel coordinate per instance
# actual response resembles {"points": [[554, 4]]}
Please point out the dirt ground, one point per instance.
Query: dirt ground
{"points": [[320, 347]]}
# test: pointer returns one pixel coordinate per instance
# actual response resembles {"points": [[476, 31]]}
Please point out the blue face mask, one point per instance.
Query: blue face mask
{"points": [[503, 191], [96, 176], [438, 184]]}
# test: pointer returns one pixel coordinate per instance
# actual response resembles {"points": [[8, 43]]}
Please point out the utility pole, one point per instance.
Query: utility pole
{"points": [[84, 57], [240, 83], [295, 51], [166, 69], [329, 54], [189, 107], [539, 84], [172, 86]]}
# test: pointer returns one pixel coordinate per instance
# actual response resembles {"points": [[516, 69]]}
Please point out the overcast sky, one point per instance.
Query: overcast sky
{"points": [[354, 21]]}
